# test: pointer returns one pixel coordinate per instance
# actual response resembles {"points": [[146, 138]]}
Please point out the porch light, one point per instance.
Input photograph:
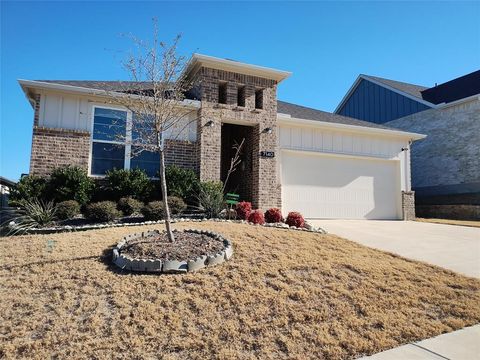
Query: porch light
{"points": [[267, 130], [209, 123]]}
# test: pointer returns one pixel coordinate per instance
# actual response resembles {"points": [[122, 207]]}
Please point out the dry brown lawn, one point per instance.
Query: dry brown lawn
{"points": [[285, 294], [471, 223]]}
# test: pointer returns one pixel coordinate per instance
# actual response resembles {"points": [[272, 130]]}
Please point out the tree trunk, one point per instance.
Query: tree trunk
{"points": [[163, 184]]}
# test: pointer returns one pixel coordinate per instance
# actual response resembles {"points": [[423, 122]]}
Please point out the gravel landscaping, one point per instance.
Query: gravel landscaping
{"points": [[284, 294]]}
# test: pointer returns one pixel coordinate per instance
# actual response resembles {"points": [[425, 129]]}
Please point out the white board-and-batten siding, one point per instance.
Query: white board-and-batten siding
{"points": [[64, 111], [348, 143]]}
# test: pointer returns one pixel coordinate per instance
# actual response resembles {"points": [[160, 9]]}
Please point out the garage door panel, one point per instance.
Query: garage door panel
{"points": [[339, 187]]}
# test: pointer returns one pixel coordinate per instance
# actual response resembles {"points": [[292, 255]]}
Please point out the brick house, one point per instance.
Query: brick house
{"points": [[445, 165], [297, 158]]}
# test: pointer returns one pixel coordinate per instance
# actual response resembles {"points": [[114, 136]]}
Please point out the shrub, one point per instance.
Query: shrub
{"points": [[210, 198], [102, 211], [243, 210], [273, 215], [256, 217], [154, 210], [127, 183], [295, 219], [31, 214], [67, 209], [129, 205], [181, 182], [29, 188], [176, 205], [70, 183]]}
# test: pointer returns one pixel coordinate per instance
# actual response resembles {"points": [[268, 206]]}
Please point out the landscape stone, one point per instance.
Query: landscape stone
{"points": [[197, 264], [174, 266], [216, 259]]}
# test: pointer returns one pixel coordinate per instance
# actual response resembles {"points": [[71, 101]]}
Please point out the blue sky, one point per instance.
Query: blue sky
{"points": [[325, 44]]}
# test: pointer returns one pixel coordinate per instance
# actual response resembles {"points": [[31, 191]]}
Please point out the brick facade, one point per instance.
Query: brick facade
{"points": [[181, 153], [52, 148], [265, 188], [408, 205]]}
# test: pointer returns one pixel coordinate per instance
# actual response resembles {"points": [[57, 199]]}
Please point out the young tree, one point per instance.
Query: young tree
{"points": [[155, 95]]}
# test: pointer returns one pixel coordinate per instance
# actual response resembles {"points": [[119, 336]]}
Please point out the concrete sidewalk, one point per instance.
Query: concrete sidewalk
{"points": [[452, 247], [458, 345]]}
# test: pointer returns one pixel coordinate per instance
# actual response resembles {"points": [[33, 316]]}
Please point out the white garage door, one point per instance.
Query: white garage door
{"points": [[326, 186]]}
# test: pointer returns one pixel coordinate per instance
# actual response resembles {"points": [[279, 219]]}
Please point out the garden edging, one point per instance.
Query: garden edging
{"points": [[125, 262], [69, 228]]}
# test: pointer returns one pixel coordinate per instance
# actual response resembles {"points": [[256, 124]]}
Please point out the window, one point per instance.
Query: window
{"points": [[241, 95], [222, 93], [116, 142], [259, 99], [108, 140], [146, 160], [107, 157]]}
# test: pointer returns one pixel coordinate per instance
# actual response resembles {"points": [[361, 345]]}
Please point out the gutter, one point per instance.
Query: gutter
{"points": [[288, 120]]}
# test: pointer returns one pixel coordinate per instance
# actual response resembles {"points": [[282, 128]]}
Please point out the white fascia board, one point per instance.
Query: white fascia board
{"points": [[367, 78], [235, 66], [26, 84], [350, 128]]}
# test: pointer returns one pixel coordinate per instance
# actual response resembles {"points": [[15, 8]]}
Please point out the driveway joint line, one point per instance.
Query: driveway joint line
{"points": [[430, 351]]}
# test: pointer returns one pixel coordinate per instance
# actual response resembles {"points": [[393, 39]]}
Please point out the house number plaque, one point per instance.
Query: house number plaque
{"points": [[267, 154]]}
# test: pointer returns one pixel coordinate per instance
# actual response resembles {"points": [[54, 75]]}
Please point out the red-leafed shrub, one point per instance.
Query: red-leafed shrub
{"points": [[273, 215], [295, 219], [256, 217], [243, 209]]}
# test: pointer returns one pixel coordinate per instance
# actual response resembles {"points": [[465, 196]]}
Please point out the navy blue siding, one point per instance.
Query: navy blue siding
{"points": [[374, 103]]}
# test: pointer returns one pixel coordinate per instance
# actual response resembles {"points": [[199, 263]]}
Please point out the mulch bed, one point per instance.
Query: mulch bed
{"points": [[186, 246]]}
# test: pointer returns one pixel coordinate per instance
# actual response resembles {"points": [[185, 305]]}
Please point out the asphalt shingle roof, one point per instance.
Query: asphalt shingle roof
{"points": [[102, 85], [303, 112], [411, 89]]}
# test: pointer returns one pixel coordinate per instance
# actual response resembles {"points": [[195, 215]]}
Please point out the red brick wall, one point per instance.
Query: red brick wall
{"points": [[182, 154], [52, 148]]}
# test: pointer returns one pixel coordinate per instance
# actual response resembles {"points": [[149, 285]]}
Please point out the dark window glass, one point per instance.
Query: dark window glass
{"points": [[146, 160], [106, 157], [109, 124]]}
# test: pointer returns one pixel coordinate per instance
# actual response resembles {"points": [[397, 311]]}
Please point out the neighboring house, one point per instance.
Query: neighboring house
{"points": [[297, 158], [5, 186], [445, 165]]}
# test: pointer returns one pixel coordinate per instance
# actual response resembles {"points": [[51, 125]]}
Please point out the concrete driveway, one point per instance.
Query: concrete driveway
{"points": [[452, 247]]}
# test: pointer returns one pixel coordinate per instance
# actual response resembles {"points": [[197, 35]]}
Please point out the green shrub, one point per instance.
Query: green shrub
{"points": [[210, 198], [181, 182], [127, 183], [154, 210], [67, 209], [70, 183], [176, 205], [29, 188], [102, 211], [31, 214], [129, 205]]}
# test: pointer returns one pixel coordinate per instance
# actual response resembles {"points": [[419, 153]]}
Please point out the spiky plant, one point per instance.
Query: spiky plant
{"points": [[29, 215]]}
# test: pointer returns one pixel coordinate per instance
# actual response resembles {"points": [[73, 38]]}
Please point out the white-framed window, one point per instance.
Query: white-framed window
{"points": [[114, 135]]}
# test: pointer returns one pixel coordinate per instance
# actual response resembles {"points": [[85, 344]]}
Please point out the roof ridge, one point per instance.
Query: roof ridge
{"points": [[397, 81]]}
